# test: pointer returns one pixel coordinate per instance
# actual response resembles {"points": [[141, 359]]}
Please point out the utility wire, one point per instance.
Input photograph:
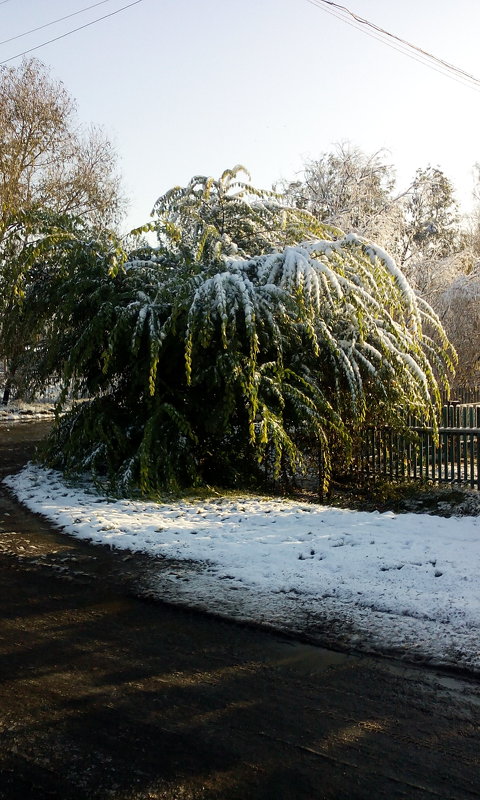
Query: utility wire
{"points": [[393, 36], [397, 43], [68, 33], [53, 22], [402, 46], [399, 48]]}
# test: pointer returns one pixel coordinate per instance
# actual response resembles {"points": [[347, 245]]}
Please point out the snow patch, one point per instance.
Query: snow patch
{"points": [[406, 583]]}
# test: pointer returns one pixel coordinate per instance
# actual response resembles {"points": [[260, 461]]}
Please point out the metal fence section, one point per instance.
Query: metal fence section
{"points": [[454, 458], [459, 415]]}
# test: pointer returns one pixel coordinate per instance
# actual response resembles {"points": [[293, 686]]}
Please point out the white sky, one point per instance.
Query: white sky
{"points": [[188, 87]]}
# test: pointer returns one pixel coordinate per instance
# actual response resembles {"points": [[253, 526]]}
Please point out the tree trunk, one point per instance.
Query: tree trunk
{"points": [[8, 385], [6, 392]]}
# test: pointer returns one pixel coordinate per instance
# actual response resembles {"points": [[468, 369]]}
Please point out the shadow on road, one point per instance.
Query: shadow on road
{"points": [[103, 695]]}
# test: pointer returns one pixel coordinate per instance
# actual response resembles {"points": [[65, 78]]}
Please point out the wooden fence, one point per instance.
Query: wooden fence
{"points": [[455, 458], [465, 394]]}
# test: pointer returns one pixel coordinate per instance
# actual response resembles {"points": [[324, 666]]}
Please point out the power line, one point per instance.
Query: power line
{"points": [[401, 45], [68, 33], [399, 48], [397, 43], [53, 22], [397, 38]]}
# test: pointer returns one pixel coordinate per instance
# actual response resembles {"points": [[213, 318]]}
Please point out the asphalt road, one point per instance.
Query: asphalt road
{"points": [[106, 696]]}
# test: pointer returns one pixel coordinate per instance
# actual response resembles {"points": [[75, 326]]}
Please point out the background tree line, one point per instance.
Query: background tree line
{"points": [[52, 171], [436, 247]]}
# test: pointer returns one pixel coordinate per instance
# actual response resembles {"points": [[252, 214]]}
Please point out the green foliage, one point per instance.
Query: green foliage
{"points": [[59, 260], [193, 367], [51, 172], [209, 218]]}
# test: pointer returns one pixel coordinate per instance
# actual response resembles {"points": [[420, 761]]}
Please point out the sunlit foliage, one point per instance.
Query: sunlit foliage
{"points": [[218, 356]]}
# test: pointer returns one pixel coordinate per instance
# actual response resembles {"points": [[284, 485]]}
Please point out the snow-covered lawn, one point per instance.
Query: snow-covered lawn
{"points": [[406, 583], [19, 411]]}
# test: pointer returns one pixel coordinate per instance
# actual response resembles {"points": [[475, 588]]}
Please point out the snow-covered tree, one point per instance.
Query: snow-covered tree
{"points": [[459, 308], [419, 225], [352, 190], [208, 366], [430, 232], [356, 191], [227, 216], [39, 304]]}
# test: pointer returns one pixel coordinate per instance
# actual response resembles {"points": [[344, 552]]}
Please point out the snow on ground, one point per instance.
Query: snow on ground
{"points": [[18, 411], [406, 584]]}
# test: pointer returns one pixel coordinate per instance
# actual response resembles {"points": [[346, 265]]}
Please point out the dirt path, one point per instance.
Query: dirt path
{"points": [[105, 696]]}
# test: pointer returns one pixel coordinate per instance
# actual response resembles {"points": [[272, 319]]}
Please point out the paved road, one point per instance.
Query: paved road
{"points": [[104, 695]]}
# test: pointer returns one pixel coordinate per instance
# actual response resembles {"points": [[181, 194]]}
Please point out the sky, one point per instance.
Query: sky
{"points": [[192, 87]]}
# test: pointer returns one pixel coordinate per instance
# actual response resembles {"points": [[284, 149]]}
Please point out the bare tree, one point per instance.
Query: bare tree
{"points": [[47, 160], [50, 168]]}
